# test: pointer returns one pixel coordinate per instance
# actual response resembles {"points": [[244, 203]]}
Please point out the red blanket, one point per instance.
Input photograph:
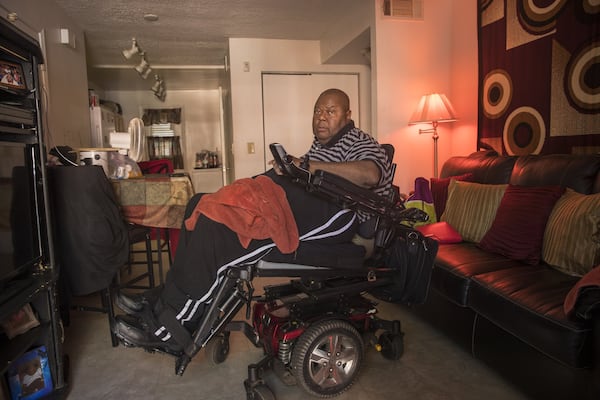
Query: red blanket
{"points": [[592, 278], [254, 209]]}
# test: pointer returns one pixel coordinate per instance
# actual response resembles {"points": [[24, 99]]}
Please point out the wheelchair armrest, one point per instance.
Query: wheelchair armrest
{"points": [[350, 195], [346, 193], [343, 192]]}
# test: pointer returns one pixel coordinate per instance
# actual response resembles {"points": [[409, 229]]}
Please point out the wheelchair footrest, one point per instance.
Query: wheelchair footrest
{"points": [[246, 329]]}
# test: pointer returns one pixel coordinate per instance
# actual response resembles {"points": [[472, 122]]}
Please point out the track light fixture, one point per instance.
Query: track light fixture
{"points": [[161, 95], [135, 49], [159, 88], [143, 68], [158, 84]]}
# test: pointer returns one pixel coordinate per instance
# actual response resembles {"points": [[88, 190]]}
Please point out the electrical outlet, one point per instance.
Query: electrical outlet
{"points": [[246, 66]]}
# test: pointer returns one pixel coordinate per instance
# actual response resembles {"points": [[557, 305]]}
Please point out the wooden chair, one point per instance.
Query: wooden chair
{"points": [[162, 236]]}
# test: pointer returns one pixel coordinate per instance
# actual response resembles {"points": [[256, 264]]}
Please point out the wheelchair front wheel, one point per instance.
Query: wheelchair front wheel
{"points": [[392, 345], [217, 349], [327, 357], [262, 392]]}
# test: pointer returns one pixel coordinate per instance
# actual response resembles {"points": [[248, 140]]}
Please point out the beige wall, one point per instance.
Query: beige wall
{"points": [[342, 33], [415, 57], [464, 78], [246, 90], [65, 98]]}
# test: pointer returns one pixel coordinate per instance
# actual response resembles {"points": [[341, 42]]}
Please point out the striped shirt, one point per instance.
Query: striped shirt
{"points": [[352, 144]]}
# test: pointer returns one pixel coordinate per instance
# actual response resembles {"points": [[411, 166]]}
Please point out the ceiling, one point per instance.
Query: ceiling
{"points": [[188, 43]]}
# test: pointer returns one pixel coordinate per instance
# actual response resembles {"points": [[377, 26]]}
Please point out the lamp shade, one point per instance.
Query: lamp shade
{"points": [[433, 108]]}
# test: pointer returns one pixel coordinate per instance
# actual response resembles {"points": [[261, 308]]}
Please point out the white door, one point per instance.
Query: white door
{"points": [[288, 103]]}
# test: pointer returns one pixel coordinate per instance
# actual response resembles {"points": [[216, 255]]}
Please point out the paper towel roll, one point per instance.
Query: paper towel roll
{"points": [[120, 140]]}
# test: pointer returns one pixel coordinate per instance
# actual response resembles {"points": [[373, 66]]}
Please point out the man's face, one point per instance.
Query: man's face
{"points": [[329, 117]]}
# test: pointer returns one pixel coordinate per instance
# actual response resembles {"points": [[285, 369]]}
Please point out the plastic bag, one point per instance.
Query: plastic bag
{"points": [[121, 166], [423, 200]]}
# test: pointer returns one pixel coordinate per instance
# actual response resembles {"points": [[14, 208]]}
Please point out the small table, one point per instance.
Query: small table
{"points": [[157, 201]]}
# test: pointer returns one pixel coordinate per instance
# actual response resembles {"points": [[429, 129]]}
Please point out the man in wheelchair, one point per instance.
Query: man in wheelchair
{"points": [[299, 219], [164, 318]]}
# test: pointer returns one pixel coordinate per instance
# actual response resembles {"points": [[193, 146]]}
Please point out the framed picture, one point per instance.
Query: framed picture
{"points": [[11, 76], [29, 377], [20, 322]]}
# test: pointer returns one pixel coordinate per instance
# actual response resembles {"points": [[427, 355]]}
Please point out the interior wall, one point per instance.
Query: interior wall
{"points": [[64, 74], [412, 58], [340, 34], [464, 79], [271, 55]]}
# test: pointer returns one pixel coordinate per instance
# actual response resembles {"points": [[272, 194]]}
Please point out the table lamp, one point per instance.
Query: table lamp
{"points": [[433, 109]]}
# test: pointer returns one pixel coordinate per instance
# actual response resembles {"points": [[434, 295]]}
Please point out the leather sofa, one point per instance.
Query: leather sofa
{"points": [[509, 313]]}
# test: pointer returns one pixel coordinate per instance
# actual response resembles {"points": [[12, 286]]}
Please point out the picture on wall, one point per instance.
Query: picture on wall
{"points": [[538, 76]]}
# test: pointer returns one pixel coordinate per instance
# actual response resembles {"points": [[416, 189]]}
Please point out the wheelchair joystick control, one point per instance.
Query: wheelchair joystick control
{"points": [[287, 166]]}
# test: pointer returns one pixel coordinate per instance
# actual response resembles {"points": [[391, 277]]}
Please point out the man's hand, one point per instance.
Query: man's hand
{"points": [[278, 170]]}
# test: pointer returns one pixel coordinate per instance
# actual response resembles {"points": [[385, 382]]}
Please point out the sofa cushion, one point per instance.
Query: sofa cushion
{"points": [[572, 238], [439, 191], [455, 264], [528, 302], [518, 229], [471, 208], [486, 167]]}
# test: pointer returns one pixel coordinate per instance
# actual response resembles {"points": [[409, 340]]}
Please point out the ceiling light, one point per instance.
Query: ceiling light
{"points": [[151, 17]]}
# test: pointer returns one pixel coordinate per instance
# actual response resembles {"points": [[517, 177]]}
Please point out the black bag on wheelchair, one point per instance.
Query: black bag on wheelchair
{"points": [[412, 256]]}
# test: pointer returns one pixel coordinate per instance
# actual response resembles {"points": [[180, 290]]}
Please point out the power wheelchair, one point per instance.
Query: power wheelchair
{"points": [[313, 330]]}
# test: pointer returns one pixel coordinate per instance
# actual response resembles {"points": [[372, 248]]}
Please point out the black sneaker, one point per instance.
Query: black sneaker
{"points": [[134, 303], [136, 332]]}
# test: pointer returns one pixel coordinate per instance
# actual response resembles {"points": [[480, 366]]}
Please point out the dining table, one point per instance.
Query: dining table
{"points": [[156, 200]]}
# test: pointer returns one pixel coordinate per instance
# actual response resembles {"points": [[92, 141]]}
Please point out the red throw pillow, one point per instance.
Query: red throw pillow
{"points": [[439, 191], [443, 232], [518, 228]]}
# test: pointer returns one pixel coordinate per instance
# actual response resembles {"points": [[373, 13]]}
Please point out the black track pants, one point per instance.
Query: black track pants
{"points": [[204, 254]]}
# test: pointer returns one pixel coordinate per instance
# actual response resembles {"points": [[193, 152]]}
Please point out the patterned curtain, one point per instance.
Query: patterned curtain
{"points": [[161, 116], [539, 76]]}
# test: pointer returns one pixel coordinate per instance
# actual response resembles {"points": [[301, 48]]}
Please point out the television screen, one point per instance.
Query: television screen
{"points": [[19, 228]]}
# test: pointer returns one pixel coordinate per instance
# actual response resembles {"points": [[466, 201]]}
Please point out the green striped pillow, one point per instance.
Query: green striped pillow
{"points": [[572, 237], [471, 208]]}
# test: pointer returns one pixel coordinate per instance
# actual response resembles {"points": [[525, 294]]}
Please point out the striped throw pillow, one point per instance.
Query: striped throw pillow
{"points": [[572, 236], [471, 208]]}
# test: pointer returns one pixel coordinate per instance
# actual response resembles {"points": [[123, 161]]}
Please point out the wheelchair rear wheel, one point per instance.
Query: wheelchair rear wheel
{"points": [[327, 357]]}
